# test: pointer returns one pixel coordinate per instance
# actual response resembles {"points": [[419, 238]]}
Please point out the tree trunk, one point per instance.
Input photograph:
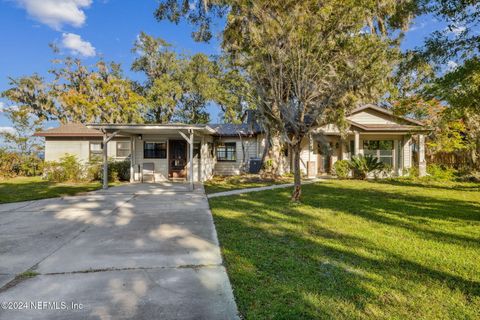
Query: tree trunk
{"points": [[267, 147], [275, 155], [244, 155], [297, 182]]}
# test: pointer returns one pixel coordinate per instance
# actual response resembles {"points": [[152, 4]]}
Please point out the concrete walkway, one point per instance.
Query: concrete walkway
{"points": [[276, 186], [138, 251]]}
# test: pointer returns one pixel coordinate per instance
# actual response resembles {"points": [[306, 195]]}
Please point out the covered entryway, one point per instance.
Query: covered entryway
{"points": [[163, 152], [177, 160]]}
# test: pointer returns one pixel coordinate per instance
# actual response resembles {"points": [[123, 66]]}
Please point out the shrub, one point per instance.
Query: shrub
{"points": [[120, 170], [9, 164], [342, 168], [67, 169], [411, 173], [117, 171], [438, 172], [363, 165], [473, 176], [13, 164], [31, 165], [94, 171]]}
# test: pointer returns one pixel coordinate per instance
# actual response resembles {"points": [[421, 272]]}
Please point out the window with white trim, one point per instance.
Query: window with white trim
{"points": [[227, 151], [155, 150], [96, 151], [380, 149], [123, 149]]}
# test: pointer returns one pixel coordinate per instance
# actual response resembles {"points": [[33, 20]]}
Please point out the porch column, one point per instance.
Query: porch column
{"points": [[190, 143], [356, 151], [191, 159], [422, 164], [105, 161], [395, 157], [106, 140], [132, 141]]}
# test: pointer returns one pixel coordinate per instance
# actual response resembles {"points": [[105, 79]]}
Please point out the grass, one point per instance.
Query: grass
{"points": [[227, 183], [354, 250], [34, 188], [27, 274]]}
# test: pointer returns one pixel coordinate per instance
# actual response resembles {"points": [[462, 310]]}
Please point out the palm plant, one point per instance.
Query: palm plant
{"points": [[363, 165]]}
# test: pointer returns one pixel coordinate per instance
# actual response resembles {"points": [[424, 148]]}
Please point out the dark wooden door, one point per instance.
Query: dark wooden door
{"points": [[177, 159]]}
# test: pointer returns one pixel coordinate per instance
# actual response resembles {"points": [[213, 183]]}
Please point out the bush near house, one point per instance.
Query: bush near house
{"points": [[363, 165], [441, 173], [117, 171], [14, 164], [342, 169], [70, 169], [67, 169]]}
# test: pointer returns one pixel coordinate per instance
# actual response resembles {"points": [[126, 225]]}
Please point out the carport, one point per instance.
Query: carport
{"points": [[138, 131]]}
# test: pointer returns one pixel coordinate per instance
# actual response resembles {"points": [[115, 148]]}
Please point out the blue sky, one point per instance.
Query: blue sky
{"points": [[100, 28]]}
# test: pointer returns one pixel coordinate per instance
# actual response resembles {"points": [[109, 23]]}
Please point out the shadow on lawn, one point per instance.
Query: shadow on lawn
{"points": [[292, 266]]}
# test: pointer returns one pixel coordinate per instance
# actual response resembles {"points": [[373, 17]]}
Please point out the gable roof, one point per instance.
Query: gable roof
{"points": [[385, 127], [227, 129], [386, 112], [69, 130]]}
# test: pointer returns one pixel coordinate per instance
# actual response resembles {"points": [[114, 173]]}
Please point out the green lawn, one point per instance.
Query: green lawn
{"points": [[220, 184], [354, 250], [33, 188]]}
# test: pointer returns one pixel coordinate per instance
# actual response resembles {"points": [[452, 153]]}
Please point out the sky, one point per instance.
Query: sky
{"points": [[90, 29]]}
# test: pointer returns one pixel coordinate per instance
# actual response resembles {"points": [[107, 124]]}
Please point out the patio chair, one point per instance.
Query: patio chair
{"points": [[148, 172]]}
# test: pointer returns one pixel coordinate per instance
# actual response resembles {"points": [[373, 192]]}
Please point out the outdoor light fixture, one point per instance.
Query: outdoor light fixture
{"points": [[140, 137]]}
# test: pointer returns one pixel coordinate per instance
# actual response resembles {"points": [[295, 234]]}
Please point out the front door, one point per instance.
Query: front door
{"points": [[177, 159], [323, 158]]}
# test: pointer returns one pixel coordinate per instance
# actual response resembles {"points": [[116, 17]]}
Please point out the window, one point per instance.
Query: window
{"points": [[381, 149], [154, 150], [197, 151], [123, 149], [96, 151], [227, 151]]}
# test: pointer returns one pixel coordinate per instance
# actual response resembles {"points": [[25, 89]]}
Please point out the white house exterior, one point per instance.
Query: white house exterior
{"points": [[197, 152]]}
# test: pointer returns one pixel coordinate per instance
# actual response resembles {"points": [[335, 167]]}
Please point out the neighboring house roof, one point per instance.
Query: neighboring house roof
{"points": [[69, 130]]}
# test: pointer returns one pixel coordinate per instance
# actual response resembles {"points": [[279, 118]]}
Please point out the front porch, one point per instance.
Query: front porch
{"points": [[163, 152], [398, 151]]}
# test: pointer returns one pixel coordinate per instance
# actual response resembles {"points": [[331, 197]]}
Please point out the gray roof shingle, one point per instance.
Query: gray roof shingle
{"points": [[233, 130]]}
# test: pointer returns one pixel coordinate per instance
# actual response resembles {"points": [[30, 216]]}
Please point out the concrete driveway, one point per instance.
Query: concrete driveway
{"points": [[139, 251]]}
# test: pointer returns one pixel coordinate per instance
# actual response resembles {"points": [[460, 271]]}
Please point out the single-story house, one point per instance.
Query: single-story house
{"points": [[159, 152]]}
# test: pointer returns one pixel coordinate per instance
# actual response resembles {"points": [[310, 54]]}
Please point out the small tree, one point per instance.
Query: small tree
{"points": [[20, 138], [310, 64]]}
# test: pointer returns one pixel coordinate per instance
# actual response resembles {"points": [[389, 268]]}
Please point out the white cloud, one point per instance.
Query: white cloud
{"points": [[417, 26], [451, 65], [77, 45], [4, 107], [10, 130], [56, 13], [456, 30]]}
